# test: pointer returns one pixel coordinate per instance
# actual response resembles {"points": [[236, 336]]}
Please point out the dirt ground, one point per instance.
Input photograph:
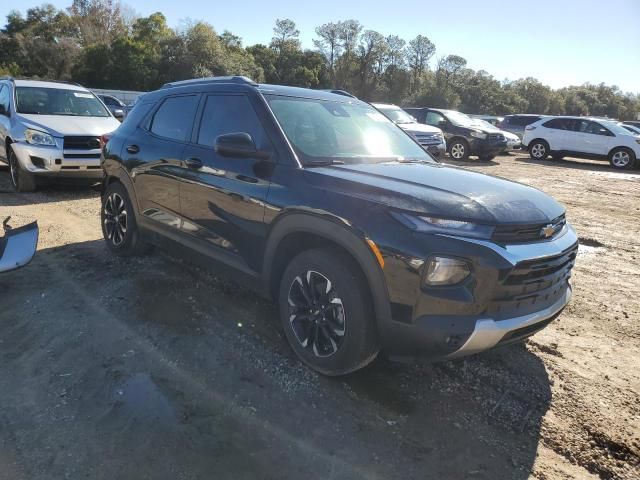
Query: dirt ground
{"points": [[151, 368]]}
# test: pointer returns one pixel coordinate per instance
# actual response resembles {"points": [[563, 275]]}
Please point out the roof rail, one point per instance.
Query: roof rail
{"points": [[344, 93], [194, 81]]}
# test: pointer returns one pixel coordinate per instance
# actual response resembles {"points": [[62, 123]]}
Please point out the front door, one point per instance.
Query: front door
{"points": [[223, 197]]}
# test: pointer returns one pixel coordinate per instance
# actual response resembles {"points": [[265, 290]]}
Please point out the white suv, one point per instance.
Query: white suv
{"points": [[582, 137]]}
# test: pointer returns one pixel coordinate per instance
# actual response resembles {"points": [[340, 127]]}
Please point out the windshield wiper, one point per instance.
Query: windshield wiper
{"points": [[321, 163]]}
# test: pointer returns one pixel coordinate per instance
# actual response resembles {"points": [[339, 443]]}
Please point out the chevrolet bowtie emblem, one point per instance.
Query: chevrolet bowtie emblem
{"points": [[547, 231]]}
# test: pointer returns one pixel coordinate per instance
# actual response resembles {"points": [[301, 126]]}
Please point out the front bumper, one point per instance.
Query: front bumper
{"points": [[487, 146], [55, 161], [438, 150], [484, 310]]}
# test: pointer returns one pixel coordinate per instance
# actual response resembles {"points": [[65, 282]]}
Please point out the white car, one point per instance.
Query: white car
{"points": [[582, 137], [51, 129], [634, 130]]}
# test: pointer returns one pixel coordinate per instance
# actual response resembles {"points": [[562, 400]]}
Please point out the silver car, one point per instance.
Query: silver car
{"points": [[51, 129]]}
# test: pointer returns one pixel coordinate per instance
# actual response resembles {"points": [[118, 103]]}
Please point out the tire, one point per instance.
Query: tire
{"points": [[332, 332], [22, 180], [486, 158], [622, 158], [458, 149], [539, 149], [118, 220]]}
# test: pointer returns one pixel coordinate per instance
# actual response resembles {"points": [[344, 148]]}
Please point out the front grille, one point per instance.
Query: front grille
{"points": [[81, 143], [81, 155], [428, 138], [527, 233], [533, 285]]}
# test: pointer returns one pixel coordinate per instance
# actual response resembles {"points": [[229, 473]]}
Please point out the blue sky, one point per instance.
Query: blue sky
{"points": [[560, 42]]}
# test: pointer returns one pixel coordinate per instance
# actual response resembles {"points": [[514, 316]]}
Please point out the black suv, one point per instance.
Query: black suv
{"points": [[320, 202], [464, 135]]}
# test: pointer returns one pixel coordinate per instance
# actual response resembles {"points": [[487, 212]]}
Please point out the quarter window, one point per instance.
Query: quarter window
{"points": [[229, 114], [174, 117]]}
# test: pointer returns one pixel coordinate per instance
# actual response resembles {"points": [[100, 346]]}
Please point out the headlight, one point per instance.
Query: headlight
{"points": [[445, 271], [637, 140], [444, 226], [477, 134], [35, 137]]}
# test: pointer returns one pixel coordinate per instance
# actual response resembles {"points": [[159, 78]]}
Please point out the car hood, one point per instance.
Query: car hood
{"points": [[61, 125], [418, 128], [440, 190]]}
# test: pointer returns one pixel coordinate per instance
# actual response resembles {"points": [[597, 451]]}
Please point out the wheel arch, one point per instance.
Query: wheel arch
{"points": [[619, 147], [121, 176], [295, 232]]}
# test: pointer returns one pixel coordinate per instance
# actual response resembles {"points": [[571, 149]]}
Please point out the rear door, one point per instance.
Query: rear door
{"points": [[223, 198], [153, 155]]}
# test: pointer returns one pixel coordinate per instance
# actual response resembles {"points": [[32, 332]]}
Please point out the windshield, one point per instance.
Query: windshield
{"points": [[58, 101], [459, 119], [326, 131], [397, 115]]}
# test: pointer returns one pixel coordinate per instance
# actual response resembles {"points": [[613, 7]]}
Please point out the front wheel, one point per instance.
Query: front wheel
{"points": [[539, 149], [459, 149], [622, 158], [119, 226], [326, 314], [21, 179]]}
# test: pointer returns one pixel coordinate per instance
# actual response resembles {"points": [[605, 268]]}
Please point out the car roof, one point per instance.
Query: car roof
{"points": [[386, 105], [245, 84], [49, 84]]}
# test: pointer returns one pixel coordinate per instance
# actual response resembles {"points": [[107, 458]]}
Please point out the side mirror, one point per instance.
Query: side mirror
{"points": [[119, 114], [442, 123], [19, 246], [3, 110], [238, 145]]}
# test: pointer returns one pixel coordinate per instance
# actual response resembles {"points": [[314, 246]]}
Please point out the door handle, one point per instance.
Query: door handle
{"points": [[193, 162], [133, 149]]}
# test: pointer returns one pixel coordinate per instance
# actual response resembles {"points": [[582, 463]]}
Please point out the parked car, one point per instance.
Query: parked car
{"points": [[431, 138], [117, 107], [633, 123], [513, 142], [50, 129], [630, 128], [517, 123], [492, 119], [323, 204], [582, 137], [464, 137], [17, 246]]}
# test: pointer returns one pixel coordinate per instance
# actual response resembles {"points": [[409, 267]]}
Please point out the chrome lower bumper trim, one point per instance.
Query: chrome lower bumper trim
{"points": [[488, 332]]}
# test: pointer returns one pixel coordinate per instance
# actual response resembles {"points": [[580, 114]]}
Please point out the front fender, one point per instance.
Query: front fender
{"points": [[340, 232]]}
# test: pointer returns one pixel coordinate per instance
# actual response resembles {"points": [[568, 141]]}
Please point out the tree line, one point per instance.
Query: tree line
{"points": [[103, 44]]}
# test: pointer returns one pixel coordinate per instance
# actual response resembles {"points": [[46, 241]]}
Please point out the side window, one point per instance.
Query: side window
{"points": [[229, 114], [558, 124], [174, 117], [4, 98], [581, 126], [433, 118], [597, 129]]}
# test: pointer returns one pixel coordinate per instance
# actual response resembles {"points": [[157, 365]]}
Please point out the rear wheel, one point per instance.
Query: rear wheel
{"points": [[538, 149], [21, 179], [119, 226], [326, 312], [459, 149], [622, 158]]}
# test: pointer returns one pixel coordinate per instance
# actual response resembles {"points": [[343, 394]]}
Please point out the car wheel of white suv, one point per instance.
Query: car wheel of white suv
{"points": [[21, 180], [538, 149], [622, 158]]}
